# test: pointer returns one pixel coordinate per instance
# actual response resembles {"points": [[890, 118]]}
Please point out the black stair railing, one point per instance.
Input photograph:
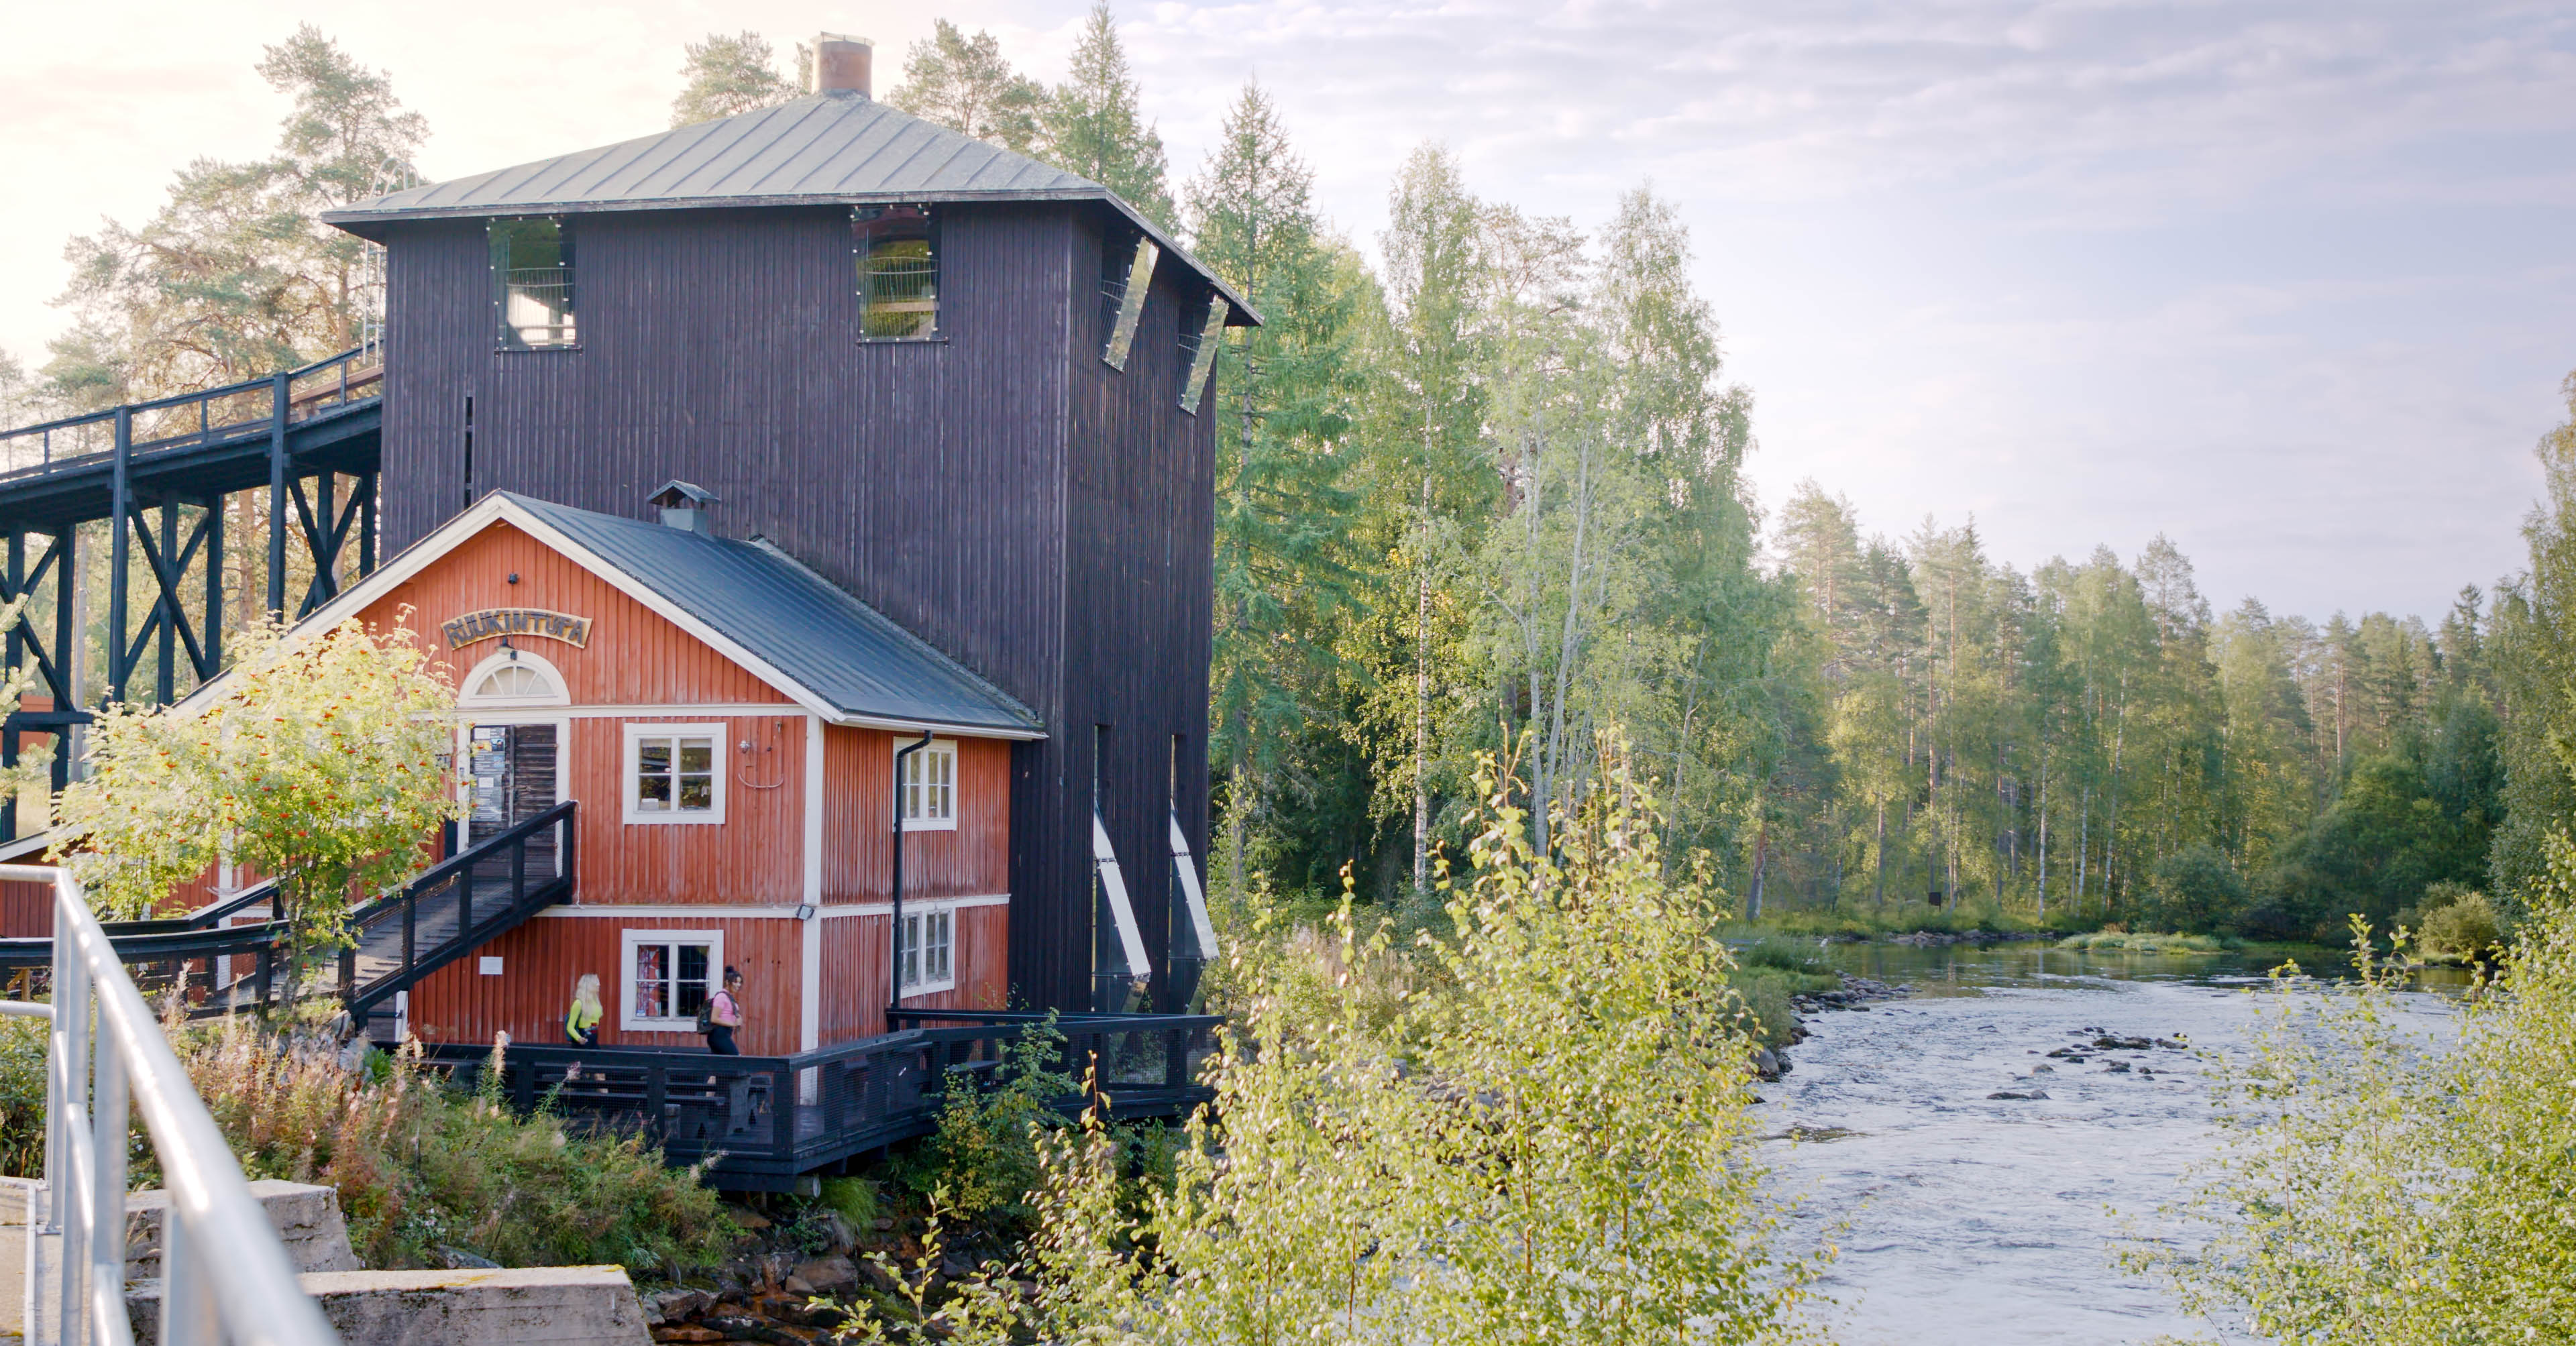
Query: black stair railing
{"points": [[227, 968], [456, 906]]}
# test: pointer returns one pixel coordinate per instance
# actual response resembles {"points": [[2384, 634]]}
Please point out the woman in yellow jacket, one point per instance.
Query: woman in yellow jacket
{"points": [[581, 1024]]}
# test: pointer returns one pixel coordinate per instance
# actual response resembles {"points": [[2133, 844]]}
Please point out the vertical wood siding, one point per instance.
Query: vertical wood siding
{"points": [[1002, 493], [1142, 472], [26, 909], [858, 828], [541, 960], [544, 958], [635, 655], [854, 971]]}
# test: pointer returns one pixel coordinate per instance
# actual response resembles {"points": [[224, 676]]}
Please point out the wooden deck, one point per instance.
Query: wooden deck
{"points": [[766, 1121]]}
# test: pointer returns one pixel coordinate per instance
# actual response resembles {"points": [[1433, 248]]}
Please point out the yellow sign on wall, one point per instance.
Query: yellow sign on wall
{"points": [[492, 622]]}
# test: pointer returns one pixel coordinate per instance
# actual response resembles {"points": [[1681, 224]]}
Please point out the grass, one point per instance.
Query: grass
{"points": [[1859, 921], [419, 1166], [1771, 970], [2113, 941]]}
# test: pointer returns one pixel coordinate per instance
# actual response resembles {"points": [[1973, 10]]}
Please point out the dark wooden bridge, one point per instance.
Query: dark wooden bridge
{"points": [[158, 473]]}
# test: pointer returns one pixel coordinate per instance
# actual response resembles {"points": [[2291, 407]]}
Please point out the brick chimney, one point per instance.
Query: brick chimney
{"points": [[841, 64]]}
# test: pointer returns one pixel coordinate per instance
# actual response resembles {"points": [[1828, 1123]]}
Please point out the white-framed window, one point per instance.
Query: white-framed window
{"points": [[667, 975], [929, 948], [513, 678], [675, 773], [929, 787]]}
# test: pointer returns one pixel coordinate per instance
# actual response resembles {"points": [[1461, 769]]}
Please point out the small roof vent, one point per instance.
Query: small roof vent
{"points": [[841, 63], [683, 505]]}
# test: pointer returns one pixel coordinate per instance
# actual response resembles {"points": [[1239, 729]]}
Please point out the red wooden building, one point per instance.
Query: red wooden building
{"points": [[727, 722]]}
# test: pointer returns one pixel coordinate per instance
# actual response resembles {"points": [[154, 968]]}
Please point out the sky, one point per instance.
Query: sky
{"points": [[2287, 282]]}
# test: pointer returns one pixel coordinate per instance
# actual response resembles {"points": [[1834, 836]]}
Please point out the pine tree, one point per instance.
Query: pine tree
{"points": [[236, 275], [964, 84], [727, 76], [1093, 127]]}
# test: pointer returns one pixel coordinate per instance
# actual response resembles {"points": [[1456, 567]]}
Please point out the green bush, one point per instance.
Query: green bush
{"points": [[2197, 887], [1554, 1146], [2370, 1190], [2465, 928], [856, 1200], [983, 1160], [2117, 941], [22, 1096], [1787, 955]]}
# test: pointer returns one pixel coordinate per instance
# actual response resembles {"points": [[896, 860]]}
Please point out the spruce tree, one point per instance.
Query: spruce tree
{"points": [[1093, 127], [1286, 391]]}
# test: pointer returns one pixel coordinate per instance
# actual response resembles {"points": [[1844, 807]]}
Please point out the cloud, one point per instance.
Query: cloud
{"points": [[2285, 280]]}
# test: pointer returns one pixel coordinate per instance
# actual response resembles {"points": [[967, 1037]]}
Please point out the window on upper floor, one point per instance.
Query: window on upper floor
{"points": [[1199, 343], [672, 773], [1126, 274], [898, 258], [929, 788], [513, 678], [532, 283]]}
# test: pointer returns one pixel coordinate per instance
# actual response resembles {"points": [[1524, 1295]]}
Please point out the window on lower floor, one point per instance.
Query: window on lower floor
{"points": [[672, 774], [929, 949], [669, 975]]}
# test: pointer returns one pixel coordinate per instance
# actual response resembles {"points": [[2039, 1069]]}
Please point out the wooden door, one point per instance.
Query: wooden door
{"points": [[515, 779]]}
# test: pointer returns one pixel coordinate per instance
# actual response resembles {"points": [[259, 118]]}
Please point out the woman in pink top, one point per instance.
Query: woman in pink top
{"points": [[724, 1015]]}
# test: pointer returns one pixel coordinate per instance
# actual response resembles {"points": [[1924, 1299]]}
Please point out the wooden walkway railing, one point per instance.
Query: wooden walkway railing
{"points": [[764, 1120], [252, 409]]}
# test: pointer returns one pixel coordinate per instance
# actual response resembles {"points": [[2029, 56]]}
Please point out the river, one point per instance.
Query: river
{"points": [[1990, 1222]]}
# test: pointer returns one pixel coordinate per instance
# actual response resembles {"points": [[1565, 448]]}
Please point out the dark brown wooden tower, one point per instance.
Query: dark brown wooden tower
{"points": [[912, 360]]}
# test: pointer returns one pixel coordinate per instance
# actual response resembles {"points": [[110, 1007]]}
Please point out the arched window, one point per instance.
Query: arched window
{"points": [[513, 678]]}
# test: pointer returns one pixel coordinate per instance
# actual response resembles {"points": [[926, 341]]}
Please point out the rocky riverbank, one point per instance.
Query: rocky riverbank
{"points": [[780, 1289], [1857, 993]]}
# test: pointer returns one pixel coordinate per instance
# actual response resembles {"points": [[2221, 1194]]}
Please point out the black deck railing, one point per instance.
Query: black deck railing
{"points": [[760, 1121], [246, 410]]}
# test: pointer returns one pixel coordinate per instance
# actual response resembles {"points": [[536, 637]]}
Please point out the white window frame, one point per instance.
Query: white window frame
{"points": [[944, 749], [919, 916], [468, 700], [628, 940], [630, 774]]}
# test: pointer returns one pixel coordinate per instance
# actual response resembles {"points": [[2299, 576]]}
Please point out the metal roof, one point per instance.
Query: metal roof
{"points": [[822, 149], [846, 653]]}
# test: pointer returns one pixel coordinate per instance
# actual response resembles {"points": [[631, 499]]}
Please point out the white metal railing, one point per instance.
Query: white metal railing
{"points": [[225, 1273]]}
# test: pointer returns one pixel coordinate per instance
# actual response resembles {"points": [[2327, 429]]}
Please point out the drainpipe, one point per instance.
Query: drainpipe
{"points": [[894, 941]]}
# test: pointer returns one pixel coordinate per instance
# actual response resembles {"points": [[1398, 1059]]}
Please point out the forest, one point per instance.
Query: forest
{"points": [[1481, 493]]}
